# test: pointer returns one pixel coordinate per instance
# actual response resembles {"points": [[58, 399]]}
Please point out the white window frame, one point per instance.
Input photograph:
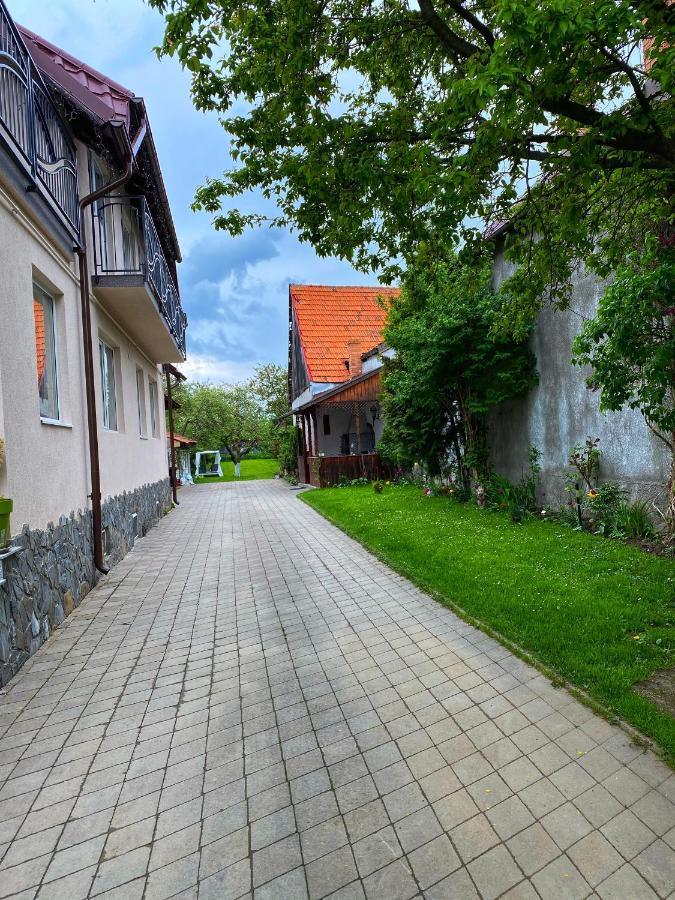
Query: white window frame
{"points": [[140, 403], [42, 295], [109, 400], [153, 391]]}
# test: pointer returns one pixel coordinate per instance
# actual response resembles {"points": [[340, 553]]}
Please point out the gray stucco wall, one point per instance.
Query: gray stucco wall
{"points": [[561, 412]]}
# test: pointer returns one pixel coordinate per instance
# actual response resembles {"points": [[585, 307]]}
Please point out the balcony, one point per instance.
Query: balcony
{"points": [[132, 278], [32, 128]]}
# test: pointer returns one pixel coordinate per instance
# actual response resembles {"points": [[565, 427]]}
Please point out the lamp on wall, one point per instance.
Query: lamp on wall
{"points": [[375, 412]]}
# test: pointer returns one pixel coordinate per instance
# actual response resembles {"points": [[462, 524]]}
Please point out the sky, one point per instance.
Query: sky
{"points": [[234, 290]]}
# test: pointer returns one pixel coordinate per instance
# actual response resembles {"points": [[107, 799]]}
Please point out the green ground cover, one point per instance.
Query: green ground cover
{"points": [[251, 469], [598, 613]]}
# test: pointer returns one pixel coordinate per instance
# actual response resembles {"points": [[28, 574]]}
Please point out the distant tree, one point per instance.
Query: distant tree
{"points": [[222, 417], [269, 385], [449, 371]]}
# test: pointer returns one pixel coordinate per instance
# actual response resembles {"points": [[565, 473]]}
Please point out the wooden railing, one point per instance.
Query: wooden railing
{"points": [[326, 471]]}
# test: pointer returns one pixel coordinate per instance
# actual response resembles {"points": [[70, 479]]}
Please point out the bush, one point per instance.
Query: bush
{"points": [[603, 505], [519, 500], [378, 486], [635, 521], [288, 450]]}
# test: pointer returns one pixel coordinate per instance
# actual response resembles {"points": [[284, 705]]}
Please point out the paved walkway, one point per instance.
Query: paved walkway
{"points": [[252, 705]]}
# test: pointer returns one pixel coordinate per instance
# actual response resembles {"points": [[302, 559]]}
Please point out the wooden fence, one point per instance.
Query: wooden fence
{"points": [[327, 470]]}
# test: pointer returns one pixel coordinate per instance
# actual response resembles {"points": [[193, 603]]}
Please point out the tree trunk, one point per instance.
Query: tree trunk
{"points": [[670, 497], [464, 475]]}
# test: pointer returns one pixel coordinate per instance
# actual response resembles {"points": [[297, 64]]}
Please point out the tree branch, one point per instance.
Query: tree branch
{"points": [[474, 21], [622, 66], [455, 44]]}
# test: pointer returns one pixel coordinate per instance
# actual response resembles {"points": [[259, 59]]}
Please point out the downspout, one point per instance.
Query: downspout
{"points": [[92, 420], [174, 487]]}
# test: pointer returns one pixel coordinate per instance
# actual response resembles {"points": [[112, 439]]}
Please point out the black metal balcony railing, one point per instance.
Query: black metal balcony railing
{"points": [[32, 126], [126, 243]]}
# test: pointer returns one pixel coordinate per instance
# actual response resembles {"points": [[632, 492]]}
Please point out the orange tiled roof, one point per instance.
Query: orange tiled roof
{"points": [[181, 440], [328, 318]]}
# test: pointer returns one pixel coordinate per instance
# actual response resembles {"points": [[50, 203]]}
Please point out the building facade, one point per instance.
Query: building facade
{"points": [[66, 131], [334, 362]]}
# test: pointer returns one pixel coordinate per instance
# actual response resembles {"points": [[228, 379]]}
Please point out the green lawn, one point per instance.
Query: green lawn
{"points": [[251, 470], [599, 613]]}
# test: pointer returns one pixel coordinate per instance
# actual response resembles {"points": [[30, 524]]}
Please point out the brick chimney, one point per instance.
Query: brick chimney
{"points": [[354, 351]]}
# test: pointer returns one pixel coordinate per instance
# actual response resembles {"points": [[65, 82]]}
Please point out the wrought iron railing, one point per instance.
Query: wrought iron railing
{"points": [[32, 126], [126, 243]]}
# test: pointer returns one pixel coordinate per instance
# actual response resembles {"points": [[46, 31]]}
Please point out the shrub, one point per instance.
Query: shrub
{"points": [[288, 450], [603, 504], [378, 486], [635, 521]]}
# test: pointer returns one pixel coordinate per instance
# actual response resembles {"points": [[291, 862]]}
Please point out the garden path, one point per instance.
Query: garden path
{"points": [[251, 704]]}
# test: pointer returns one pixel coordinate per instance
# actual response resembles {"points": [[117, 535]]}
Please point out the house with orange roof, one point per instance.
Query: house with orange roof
{"points": [[91, 327], [335, 356]]}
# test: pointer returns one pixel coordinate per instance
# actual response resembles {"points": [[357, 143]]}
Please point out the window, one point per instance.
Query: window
{"points": [[326, 424], [45, 353], [154, 420], [140, 400], [107, 356]]}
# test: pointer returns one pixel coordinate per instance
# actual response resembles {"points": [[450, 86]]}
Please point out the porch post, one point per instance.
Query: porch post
{"points": [[315, 427], [358, 428], [172, 440]]}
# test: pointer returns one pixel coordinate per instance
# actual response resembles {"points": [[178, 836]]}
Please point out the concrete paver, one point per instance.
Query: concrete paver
{"points": [[250, 705]]}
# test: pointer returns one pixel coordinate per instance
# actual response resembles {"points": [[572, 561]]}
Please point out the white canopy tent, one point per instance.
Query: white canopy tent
{"points": [[214, 469]]}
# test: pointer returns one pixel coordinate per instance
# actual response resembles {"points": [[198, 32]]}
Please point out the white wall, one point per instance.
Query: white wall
{"points": [[127, 460], [46, 472]]}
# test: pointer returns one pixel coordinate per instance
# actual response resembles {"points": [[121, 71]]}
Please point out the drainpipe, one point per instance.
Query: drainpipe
{"points": [[92, 420], [174, 487]]}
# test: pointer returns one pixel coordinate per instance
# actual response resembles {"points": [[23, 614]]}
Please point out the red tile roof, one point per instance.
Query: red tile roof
{"points": [[328, 318]]}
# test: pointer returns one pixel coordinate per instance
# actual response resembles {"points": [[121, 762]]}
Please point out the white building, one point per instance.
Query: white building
{"points": [[66, 130]]}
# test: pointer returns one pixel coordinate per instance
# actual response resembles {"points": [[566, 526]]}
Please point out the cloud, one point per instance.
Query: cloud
{"points": [[211, 368], [217, 256]]}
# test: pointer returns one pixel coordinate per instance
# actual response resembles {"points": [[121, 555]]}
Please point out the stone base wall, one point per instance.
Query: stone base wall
{"points": [[54, 570]]}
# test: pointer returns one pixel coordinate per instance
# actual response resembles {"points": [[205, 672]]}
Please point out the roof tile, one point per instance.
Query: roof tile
{"points": [[329, 317]]}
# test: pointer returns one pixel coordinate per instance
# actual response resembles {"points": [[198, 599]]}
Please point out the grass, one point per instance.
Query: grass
{"points": [[251, 470], [598, 613]]}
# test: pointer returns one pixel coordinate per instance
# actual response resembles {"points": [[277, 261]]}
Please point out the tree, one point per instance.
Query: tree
{"points": [[269, 385], [448, 371], [222, 416], [378, 125], [630, 345]]}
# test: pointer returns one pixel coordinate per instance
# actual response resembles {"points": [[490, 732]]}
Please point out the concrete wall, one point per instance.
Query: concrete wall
{"points": [[561, 412]]}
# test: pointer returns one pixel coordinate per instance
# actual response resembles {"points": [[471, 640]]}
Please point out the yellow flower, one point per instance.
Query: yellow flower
{"points": [[592, 494]]}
